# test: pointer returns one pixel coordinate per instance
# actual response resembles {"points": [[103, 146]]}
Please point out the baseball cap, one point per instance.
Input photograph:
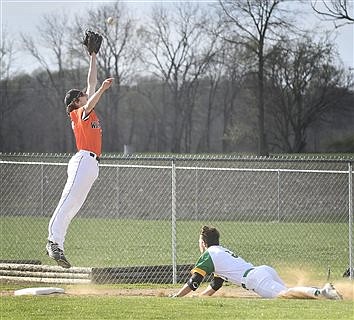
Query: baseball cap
{"points": [[71, 95]]}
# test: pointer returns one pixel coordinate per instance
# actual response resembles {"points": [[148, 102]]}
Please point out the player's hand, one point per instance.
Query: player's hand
{"points": [[107, 83]]}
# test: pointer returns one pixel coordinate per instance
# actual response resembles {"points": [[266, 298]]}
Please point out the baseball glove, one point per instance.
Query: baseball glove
{"points": [[92, 41]]}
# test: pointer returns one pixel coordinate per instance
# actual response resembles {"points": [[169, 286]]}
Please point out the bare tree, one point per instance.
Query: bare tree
{"points": [[239, 124], [52, 32], [303, 86], [214, 75], [153, 93], [6, 55], [253, 24], [7, 97], [340, 12], [7, 52], [178, 54], [225, 76], [49, 50]]}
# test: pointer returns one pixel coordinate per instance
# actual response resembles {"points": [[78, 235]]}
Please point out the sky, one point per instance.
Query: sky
{"points": [[24, 16]]}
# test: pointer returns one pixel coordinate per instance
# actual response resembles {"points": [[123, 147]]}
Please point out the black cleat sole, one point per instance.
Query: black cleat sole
{"points": [[63, 264]]}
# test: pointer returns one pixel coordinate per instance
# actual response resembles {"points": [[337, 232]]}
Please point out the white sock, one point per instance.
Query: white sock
{"points": [[309, 291]]}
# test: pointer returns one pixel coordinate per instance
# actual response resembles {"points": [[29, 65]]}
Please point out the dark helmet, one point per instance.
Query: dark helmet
{"points": [[71, 95]]}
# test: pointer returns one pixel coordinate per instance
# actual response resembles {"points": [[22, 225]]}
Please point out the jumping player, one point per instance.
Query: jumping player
{"points": [[83, 166], [225, 265]]}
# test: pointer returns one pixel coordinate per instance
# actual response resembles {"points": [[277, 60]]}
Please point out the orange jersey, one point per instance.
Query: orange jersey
{"points": [[87, 131]]}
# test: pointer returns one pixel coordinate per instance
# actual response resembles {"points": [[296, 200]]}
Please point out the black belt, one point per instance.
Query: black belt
{"points": [[94, 156], [244, 276]]}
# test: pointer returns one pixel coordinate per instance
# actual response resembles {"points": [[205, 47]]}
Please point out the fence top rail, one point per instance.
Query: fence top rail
{"points": [[342, 158], [179, 167]]}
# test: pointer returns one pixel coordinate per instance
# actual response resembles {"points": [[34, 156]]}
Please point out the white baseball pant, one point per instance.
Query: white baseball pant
{"points": [[82, 172], [265, 281]]}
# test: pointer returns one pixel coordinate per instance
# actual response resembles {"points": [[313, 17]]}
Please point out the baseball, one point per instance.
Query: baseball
{"points": [[109, 20]]}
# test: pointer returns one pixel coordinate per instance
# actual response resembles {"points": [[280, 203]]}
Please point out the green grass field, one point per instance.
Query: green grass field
{"points": [[127, 307], [287, 246]]}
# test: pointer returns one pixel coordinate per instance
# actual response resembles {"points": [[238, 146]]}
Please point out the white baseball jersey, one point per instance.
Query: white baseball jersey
{"points": [[223, 263], [263, 280]]}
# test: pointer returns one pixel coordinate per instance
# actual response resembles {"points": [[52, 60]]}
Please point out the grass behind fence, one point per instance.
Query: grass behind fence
{"points": [[114, 242]]}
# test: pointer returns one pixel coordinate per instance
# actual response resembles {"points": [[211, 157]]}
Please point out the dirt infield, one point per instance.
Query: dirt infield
{"points": [[291, 276], [153, 292], [345, 287]]}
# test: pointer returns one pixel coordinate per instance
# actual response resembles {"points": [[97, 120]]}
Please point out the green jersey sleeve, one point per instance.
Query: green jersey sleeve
{"points": [[204, 264]]}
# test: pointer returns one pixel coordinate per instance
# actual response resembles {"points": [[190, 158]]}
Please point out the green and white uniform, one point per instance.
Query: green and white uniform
{"points": [[223, 263], [263, 280]]}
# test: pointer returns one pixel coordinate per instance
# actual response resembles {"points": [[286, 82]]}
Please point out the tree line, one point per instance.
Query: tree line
{"points": [[235, 76]]}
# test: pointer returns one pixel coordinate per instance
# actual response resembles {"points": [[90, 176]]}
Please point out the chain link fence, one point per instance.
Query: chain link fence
{"points": [[141, 220]]}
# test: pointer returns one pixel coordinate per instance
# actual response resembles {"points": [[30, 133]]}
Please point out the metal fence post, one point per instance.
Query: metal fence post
{"points": [[350, 187], [278, 190], [42, 189], [173, 222], [117, 192]]}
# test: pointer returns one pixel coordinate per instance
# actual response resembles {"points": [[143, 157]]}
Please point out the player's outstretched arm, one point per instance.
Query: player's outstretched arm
{"points": [[214, 286], [184, 291], [92, 76], [92, 101], [209, 291], [192, 284]]}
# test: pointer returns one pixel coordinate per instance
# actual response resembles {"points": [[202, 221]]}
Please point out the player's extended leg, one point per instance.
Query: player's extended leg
{"points": [[82, 172], [301, 293], [265, 281], [327, 292]]}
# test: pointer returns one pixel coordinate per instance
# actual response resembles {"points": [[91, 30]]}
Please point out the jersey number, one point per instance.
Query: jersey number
{"points": [[232, 254]]}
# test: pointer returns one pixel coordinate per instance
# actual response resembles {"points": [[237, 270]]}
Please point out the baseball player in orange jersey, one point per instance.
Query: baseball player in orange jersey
{"points": [[225, 265], [83, 166]]}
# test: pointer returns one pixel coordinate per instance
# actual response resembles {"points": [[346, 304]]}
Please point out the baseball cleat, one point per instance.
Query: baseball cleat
{"points": [[57, 254], [330, 292]]}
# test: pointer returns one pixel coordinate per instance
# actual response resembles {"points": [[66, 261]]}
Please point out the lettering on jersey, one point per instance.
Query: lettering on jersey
{"points": [[95, 124], [232, 254]]}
